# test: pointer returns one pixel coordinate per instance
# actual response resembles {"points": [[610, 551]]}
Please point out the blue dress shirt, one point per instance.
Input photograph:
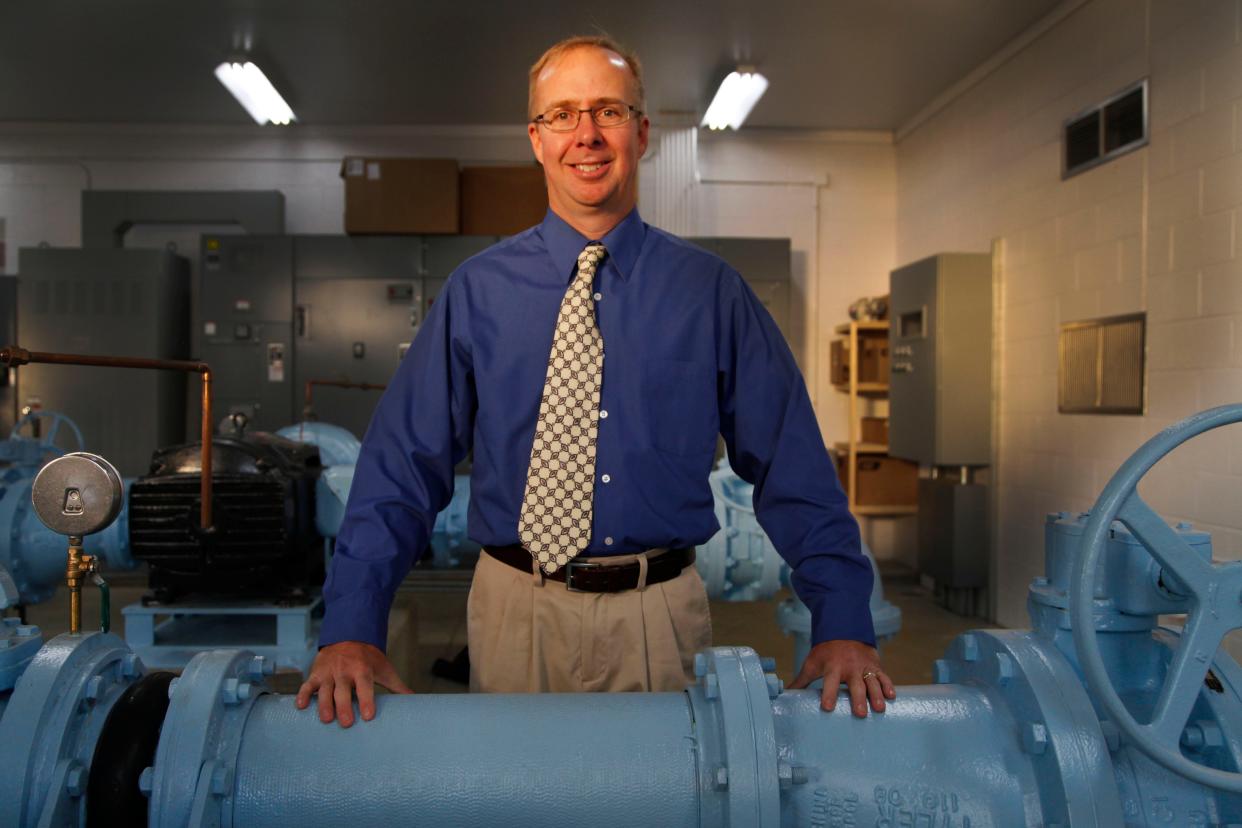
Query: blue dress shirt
{"points": [[689, 352]]}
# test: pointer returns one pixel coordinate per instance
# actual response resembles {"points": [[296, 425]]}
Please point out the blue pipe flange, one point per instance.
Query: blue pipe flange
{"points": [[191, 782], [19, 643], [1213, 591], [732, 704], [51, 726], [1049, 718]]}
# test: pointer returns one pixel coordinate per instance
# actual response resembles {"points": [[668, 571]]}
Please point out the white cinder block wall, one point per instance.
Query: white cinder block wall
{"points": [[1155, 231]]}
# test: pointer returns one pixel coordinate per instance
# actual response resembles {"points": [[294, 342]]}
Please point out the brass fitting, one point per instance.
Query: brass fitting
{"points": [[80, 566]]}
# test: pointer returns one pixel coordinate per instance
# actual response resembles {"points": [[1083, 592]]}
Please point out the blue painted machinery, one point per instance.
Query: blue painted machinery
{"points": [[739, 563], [339, 449], [1096, 716], [32, 557]]}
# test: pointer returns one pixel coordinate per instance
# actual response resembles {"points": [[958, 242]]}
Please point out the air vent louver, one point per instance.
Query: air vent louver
{"points": [[1105, 131], [1102, 366]]}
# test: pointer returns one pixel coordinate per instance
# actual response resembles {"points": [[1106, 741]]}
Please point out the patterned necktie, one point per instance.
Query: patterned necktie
{"points": [[555, 523]]}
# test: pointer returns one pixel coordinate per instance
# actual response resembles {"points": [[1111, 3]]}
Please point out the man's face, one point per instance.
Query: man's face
{"points": [[590, 171]]}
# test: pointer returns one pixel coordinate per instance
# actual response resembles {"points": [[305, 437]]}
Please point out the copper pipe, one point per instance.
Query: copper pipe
{"points": [[12, 356]]}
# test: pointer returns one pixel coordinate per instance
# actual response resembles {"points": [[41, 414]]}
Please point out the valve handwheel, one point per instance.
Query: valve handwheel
{"points": [[1214, 590], [47, 442]]}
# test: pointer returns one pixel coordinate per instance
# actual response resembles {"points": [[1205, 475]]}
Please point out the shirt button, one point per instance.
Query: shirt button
{"points": [[606, 478], [599, 296], [603, 415], [608, 541]]}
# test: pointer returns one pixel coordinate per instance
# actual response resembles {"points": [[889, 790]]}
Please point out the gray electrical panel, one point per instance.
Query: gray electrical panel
{"points": [[280, 311], [941, 349], [112, 302], [359, 302], [245, 331]]}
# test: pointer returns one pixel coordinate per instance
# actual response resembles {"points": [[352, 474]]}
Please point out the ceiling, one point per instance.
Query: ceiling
{"points": [[832, 64]]}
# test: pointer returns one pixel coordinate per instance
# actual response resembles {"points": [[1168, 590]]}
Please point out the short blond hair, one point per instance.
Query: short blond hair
{"points": [[583, 42]]}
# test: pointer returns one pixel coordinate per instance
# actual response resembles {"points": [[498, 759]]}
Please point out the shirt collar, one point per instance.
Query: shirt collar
{"points": [[564, 243]]}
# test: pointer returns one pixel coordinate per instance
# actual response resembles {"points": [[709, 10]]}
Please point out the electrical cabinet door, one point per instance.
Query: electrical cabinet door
{"points": [[941, 345], [246, 308], [355, 330], [107, 302], [912, 381]]}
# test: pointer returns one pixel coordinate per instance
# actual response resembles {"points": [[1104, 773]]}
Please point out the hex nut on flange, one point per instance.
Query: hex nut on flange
{"points": [[1034, 737]]}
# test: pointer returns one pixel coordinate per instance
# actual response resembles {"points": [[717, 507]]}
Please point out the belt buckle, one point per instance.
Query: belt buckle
{"points": [[569, 573]]}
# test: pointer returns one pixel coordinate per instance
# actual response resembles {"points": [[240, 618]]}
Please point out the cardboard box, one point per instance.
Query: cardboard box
{"points": [[886, 481], [874, 430], [873, 362], [501, 201], [839, 370], [401, 195]]}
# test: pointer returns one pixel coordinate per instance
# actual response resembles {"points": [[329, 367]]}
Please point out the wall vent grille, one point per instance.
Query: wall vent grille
{"points": [[1105, 131], [1102, 366]]}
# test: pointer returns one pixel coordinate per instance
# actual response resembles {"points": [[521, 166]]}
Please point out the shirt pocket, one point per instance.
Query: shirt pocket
{"points": [[680, 400]]}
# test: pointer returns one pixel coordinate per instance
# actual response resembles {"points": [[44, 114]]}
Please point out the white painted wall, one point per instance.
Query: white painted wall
{"points": [[1155, 231]]}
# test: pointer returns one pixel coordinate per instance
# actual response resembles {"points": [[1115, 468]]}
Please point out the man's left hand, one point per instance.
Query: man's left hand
{"points": [[853, 664]]}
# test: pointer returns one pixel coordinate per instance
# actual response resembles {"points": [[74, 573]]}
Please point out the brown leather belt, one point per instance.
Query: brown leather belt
{"points": [[588, 575]]}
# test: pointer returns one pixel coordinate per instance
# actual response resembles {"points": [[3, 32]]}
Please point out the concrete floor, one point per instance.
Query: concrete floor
{"points": [[431, 625]]}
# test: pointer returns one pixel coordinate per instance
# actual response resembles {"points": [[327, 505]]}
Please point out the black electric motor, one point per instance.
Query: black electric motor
{"points": [[262, 544]]}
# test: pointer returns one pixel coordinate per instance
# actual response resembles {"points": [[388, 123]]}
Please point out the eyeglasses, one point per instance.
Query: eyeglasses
{"points": [[564, 119]]}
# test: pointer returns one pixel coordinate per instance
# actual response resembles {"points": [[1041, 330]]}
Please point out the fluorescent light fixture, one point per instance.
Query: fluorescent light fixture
{"points": [[735, 98], [255, 92]]}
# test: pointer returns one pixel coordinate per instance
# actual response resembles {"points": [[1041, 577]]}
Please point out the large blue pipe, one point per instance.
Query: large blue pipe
{"points": [[1009, 738], [459, 759]]}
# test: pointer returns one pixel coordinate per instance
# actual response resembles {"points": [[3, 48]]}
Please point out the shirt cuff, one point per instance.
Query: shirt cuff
{"points": [[836, 616], [356, 617]]}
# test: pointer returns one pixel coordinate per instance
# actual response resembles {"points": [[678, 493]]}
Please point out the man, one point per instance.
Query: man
{"points": [[590, 362]]}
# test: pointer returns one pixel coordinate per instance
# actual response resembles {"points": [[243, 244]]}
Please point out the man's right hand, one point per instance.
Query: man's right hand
{"points": [[342, 669]]}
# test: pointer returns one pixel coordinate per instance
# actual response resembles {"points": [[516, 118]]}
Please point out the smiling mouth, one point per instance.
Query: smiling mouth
{"points": [[589, 168]]}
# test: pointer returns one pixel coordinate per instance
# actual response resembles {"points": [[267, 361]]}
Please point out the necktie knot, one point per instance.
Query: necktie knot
{"points": [[590, 257]]}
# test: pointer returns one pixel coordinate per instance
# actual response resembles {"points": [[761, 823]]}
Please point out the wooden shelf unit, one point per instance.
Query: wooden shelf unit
{"points": [[858, 392], [863, 389]]}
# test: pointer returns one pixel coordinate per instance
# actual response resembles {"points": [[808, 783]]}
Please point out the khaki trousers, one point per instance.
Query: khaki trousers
{"points": [[528, 634]]}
